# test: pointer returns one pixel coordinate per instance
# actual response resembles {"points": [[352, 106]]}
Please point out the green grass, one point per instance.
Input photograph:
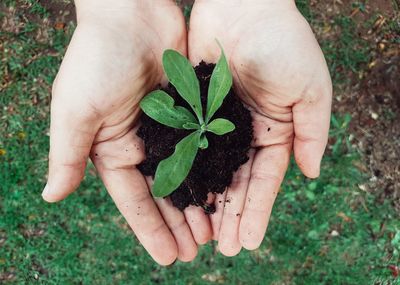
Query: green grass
{"points": [[327, 231], [345, 51]]}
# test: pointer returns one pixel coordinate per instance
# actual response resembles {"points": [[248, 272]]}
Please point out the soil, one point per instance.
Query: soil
{"points": [[62, 11], [375, 107], [372, 96], [213, 167]]}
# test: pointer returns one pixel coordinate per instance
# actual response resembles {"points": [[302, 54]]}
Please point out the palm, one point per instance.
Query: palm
{"points": [[109, 66], [281, 75]]}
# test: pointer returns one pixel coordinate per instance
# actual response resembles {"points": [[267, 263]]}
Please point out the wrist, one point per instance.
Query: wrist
{"points": [[120, 10], [269, 3]]}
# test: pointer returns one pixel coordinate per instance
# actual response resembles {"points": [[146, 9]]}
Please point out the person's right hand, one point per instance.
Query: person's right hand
{"points": [[113, 60]]}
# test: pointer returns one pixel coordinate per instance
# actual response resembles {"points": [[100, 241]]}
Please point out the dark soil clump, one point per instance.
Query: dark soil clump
{"points": [[213, 167]]}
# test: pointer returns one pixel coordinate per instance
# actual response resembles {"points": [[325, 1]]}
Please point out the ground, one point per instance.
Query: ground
{"points": [[372, 95], [339, 229]]}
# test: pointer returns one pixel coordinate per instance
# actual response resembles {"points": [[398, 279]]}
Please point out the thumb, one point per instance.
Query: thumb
{"points": [[72, 131], [311, 126]]}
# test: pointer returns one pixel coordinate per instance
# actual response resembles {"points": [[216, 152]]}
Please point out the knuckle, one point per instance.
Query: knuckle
{"points": [[265, 176], [141, 197], [239, 180], [177, 226]]}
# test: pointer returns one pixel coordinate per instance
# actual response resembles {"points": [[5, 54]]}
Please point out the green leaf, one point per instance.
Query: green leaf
{"points": [[159, 106], [310, 195], [191, 126], [220, 126], [313, 234], [312, 186], [181, 74], [172, 171], [220, 84], [203, 144]]}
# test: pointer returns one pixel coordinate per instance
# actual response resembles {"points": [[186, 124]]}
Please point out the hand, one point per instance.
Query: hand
{"points": [[281, 75], [113, 60]]}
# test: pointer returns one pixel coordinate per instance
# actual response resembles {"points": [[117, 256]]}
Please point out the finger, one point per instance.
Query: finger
{"points": [[130, 193], [115, 161], [175, 220], [71, 138], [187, 247], [266, 176], [311, 125], [199, 224], [216, 218], [229, 243]]}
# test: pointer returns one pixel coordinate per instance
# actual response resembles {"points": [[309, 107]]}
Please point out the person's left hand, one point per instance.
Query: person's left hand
{"points": [[280, 74]]}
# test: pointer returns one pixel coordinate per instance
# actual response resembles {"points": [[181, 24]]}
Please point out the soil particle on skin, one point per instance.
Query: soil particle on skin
{"points": [[213, 167]]}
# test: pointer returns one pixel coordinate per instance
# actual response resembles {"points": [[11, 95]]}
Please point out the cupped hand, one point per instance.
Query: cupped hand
{"points": [[113, 60], [281, 75]]}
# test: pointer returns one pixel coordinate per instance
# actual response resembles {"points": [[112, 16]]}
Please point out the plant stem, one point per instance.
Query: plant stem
{"points": [[203, 128]]}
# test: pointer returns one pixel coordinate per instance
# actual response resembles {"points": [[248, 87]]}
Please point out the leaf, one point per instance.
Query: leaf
{"points": [[159, 106], [181, 74], [312, 186], [220, 126], [313, 234], [310, 195], [203, 144], [334, 121], [220, 84], [172, 171], [191, 126]]}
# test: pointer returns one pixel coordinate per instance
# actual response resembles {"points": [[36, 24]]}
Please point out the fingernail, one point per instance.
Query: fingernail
{"points": [[46, 191]]}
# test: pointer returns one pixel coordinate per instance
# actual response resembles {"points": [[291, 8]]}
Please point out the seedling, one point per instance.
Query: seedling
{"points": [[160, 106]]}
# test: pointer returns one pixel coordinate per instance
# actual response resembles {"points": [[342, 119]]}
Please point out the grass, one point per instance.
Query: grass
{"points": [[345, 51], [326, 231]]}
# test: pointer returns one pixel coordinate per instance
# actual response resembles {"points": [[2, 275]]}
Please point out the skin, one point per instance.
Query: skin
{"points": [[113, 60], [280, 73]]}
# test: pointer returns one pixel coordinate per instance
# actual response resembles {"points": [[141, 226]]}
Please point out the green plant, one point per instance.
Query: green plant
{"points": [[158, 105], [339, 132]]}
